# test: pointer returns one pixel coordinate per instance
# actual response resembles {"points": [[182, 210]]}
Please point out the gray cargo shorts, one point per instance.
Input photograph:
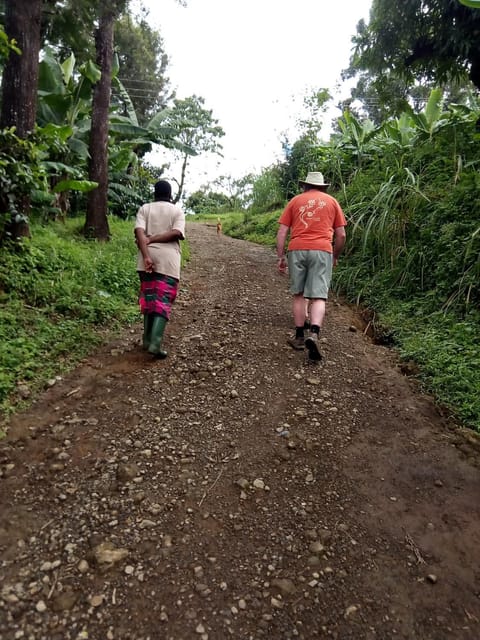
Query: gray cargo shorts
{"points": [[310, 273]]}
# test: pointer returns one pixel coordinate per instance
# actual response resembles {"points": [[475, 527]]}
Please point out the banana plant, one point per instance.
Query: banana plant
{"points": [[64, 105], [432, 118], [63, 112], [400, 131], [357, 135], [64, 98]]}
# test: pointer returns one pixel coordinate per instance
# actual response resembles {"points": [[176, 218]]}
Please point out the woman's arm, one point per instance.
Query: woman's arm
{"points": [[142, 242], [167, 236]]}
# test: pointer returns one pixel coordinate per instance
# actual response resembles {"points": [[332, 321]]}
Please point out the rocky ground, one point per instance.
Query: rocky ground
{"points": [[235, 490]]}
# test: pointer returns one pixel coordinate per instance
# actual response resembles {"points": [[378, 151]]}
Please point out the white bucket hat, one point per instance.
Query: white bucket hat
{"points": [[314, 179]]}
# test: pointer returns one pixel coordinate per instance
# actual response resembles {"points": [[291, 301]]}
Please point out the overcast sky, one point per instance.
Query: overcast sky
{"points": [[253, 61]]}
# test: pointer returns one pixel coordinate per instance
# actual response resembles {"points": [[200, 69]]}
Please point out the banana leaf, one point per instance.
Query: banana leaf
{"points": [[75, 185]]}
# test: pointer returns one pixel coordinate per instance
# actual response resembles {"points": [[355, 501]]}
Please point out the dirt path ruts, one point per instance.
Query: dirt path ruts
{"points": [[236, 490]]}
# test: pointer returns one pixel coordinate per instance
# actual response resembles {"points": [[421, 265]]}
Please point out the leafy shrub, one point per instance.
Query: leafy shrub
{"points": [[21, 173]]}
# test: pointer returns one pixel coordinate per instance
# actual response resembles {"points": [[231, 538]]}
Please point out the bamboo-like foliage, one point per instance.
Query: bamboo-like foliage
{"points": [[410, 189], [383, 222]]}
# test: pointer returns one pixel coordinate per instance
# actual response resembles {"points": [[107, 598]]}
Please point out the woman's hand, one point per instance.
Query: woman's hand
{"points": [[148, 262]]}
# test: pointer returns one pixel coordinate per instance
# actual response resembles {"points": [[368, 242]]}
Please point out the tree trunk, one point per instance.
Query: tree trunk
{"points": [[475, 69], [19, 88], [96, 223], [181, 184], [20, 76]]}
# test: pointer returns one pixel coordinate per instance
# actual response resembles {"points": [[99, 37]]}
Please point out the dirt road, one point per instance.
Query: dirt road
{"points": [[235, 490]]}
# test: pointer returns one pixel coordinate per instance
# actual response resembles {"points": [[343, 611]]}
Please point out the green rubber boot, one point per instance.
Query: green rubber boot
{"points": [[147, 329], [158, 327]]}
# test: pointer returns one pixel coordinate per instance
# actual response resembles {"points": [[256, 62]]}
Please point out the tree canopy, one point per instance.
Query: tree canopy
{"points": [[143, 66], [140, 49], [78, 103], [197, 130], [415, 42]]}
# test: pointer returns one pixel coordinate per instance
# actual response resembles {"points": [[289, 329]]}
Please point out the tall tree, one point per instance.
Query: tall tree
{"points": [[140, 49], [143, 66], [19, 91], [382, 99], [197, 130], [96, 221], [417, 41], [20, 75], [68, 28]]}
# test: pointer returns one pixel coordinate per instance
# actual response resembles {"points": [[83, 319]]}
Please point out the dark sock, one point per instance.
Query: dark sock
{"points": [[315, 329], [299, 332]]}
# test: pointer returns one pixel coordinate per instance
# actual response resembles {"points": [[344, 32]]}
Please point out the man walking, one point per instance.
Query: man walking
{"points": [[316, 224]]}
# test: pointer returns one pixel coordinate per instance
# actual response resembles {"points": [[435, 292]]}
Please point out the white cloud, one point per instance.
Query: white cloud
{"points": [[253, 62]]}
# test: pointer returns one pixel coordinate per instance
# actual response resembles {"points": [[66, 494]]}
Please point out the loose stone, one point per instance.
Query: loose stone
{"points": [[41, 606]]}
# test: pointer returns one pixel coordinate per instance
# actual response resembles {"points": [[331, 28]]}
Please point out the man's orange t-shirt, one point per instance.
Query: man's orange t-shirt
{"points": [[312, 216]]}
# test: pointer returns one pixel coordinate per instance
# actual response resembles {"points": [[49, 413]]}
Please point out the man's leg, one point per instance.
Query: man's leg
{"points": [[306, 324], [316, 288], [299, 309], [317, 314], [298, 342]]}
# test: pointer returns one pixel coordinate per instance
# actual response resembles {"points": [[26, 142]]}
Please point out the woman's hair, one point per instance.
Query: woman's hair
{"points": [[163, 191]]}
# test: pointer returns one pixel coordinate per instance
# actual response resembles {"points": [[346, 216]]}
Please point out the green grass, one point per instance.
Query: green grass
{"points": [[446, 349], [61, 296]]}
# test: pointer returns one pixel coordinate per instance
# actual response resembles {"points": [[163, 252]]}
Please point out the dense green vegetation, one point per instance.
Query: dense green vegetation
{"points": [[73, 140], [62, 295], [409, 47]]}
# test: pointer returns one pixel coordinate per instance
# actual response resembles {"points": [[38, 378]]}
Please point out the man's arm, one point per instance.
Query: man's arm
{"points": [[339, 237], [281, 239]]}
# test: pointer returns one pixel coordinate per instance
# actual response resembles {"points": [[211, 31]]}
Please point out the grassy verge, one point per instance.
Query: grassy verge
{"points": [[261, 229], [444, 348], [60, 296]]}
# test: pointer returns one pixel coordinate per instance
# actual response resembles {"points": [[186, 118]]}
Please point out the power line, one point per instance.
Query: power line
{"points": [[149, 82], [139, 92]]}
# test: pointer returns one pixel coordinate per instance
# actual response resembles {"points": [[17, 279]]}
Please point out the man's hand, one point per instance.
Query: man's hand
{"points": [[282, 264]]}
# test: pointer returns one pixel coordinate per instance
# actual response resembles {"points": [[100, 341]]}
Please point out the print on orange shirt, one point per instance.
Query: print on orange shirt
{"points": [[312, 212], [312, 221]]}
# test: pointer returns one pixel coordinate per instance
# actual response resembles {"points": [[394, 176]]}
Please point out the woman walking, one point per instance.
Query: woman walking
{"points": [[159, 227]]}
